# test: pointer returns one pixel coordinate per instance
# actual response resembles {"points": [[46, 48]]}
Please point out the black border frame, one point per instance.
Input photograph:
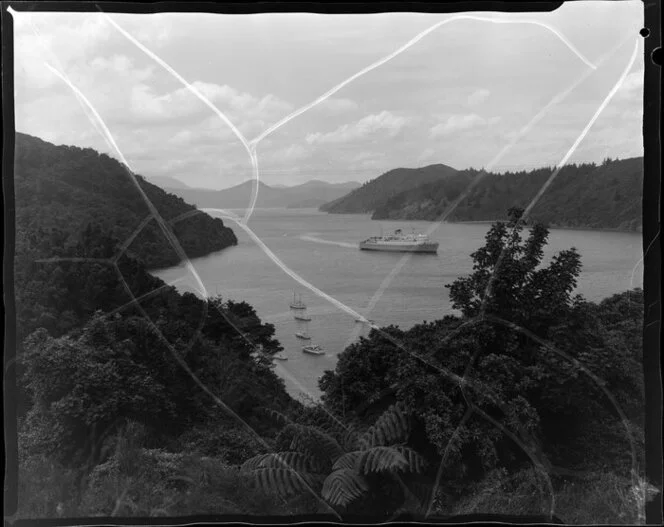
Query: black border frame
{"points": [[651, 227]]}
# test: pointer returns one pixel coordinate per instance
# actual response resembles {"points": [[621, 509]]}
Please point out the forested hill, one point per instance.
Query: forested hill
{"points": [[65, 188], [376, 192], [607, 196]]}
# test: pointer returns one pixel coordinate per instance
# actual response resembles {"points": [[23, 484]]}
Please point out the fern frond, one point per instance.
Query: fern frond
{"points": [[318, 444], [393, 426], [347, 461], [343, 486], [380, 459], [282, 481], [416, 463], [350, 440], [253, 463], [288, 460]]}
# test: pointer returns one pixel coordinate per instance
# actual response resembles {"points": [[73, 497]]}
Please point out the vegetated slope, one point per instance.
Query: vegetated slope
{"points": [[375, 193], [608, 196], [66, 188], [310, 194], [429, 200]]}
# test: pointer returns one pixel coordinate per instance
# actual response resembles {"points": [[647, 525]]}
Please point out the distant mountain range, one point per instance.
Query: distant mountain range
{"points": [[608, 196], [167, 182], [311, 194]]}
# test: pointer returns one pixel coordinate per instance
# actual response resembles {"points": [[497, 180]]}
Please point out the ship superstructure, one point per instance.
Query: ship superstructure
{"points": [[400, 242]]}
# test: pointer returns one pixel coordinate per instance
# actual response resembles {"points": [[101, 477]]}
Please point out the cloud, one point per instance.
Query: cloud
{"points": [[632, 87], [289, 154], [478, 97], [460, 122], [249, 113], [384, 124]]}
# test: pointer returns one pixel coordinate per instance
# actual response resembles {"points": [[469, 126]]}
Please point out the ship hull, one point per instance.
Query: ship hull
{"points": [[430, 248]]}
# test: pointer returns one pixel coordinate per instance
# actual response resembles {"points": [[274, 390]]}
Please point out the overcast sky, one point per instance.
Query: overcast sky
{"points": [[458, 96]]}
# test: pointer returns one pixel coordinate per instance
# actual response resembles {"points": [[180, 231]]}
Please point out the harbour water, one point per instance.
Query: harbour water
{"points": [[322, 249]]}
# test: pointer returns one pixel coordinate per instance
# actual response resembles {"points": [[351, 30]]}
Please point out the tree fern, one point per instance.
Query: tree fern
{"points": [[317, 444], [310, 451], [381, 459], [416, 463], [283, 481], [347, 461], [343, 486], [393, 426], [288, 460]]}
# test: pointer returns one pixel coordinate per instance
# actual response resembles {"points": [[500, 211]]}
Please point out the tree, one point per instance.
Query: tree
{"points": [[508, 281], [84, 388]]}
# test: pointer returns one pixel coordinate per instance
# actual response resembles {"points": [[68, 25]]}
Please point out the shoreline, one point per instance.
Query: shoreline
{"points": [[489, 222], [554, 227]]}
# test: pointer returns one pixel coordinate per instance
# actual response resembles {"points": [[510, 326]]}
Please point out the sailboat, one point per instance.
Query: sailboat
{"points": [[297, 303], [313, 349]]}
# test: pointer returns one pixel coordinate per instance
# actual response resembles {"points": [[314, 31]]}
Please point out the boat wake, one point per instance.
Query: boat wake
{"points": [[310, 238]]}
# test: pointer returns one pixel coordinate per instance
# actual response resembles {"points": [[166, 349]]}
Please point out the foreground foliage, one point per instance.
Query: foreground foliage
{"points": [[528, 393], [526, 372]]}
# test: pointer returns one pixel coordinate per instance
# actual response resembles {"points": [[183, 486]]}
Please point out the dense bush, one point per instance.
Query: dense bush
{"points": [[527, 370]]}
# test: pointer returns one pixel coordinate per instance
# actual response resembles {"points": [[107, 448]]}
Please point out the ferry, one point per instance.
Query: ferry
{"points": [[400, 242], [313, 349]]}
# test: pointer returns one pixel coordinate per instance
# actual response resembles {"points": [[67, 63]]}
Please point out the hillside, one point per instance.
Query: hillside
{"points": [[310, 194], [377, 192], [57, 187], [583, 196]]}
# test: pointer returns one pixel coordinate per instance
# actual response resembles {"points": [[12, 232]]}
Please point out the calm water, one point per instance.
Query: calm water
{"points": [[322, 249]]}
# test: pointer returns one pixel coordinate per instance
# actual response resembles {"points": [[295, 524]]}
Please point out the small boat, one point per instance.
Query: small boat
{"points": [[304, 317], [297, 303], [302, 335], [280, 356], [313, 349]]}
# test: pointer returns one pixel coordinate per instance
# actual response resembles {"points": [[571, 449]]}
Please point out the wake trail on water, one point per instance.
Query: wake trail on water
{"points": [[309, 238]]}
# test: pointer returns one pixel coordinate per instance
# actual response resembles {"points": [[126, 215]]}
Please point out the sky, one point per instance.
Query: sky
{"points": [[458, 96]]}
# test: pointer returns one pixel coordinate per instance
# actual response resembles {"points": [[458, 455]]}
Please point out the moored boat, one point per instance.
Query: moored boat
{"points": [[297, 303], [280, 356], [313, 349], [302, 335]]}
